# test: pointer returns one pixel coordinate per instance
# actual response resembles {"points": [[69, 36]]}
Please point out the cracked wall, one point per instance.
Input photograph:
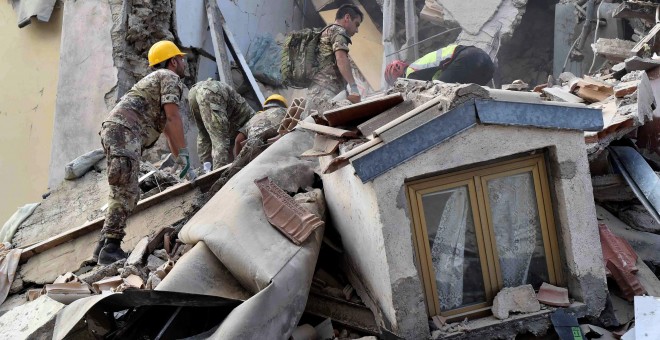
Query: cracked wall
{"points": [[30, 62]]}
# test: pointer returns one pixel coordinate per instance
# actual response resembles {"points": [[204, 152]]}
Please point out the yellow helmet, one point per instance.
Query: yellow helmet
{"points": [[276, 97], [162, 51]]}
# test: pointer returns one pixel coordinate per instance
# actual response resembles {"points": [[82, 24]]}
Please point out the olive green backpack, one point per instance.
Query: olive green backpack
{"points": [[300, 57]]}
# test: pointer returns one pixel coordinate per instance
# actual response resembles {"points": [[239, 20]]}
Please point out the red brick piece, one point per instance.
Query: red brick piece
{"points": [[553, 295]]}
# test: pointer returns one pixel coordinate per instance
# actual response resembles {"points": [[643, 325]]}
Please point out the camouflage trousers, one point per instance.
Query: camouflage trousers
{"points": [[122, 150], [216, 126], [319, 98]]}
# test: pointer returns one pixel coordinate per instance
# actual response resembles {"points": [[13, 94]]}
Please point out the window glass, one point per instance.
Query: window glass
{"points": [[454, 250], [517, 228]]}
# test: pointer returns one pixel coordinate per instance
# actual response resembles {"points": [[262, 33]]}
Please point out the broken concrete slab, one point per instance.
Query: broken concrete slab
{"points": [[560, 95], [616, 50], [154, 262], [138, 253], [44, 267], [637, 217], [521, 299], [33, 320]]}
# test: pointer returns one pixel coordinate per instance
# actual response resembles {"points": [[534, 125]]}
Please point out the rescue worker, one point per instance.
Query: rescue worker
{"points": [[149, 108], [264, 124], [335, 70], [219, 112], [450, 64]]}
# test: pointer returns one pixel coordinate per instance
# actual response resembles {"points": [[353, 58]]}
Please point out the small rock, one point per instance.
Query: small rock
{"points": [[154, 262], [517, 299], [161, 254]]}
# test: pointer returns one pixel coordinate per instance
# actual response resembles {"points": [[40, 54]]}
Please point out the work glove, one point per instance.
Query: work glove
{"points": [[183, 162]]}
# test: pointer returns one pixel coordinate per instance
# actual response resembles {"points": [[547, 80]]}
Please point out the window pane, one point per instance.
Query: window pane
{"points": [[453, 245], [517, 230]]}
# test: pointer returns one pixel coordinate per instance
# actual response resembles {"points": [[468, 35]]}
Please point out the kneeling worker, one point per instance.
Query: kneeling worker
{"points": [[264, 124], [219, 112], [451, 64], [150, 107]]}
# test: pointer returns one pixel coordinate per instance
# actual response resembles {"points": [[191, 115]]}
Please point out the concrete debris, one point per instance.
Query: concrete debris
{"points": [[520, 299], [137, 255], [517, 85], [616, 50], [33, 320]]}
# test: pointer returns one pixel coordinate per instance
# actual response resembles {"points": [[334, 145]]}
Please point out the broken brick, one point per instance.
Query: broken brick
{"points": [[553, 295]]}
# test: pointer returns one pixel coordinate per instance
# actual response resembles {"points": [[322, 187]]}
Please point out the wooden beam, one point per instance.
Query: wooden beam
{"points": [[204, 182], [215, 25], [326, 130]]}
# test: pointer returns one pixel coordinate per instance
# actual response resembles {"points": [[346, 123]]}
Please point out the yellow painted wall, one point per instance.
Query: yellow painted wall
{"points": [[29, 62]]}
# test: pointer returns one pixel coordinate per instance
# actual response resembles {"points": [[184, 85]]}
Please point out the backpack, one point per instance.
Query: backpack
{"points": [[299, 60]]}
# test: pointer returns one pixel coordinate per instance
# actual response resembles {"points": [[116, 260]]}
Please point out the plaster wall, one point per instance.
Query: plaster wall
{"points": [[87, 75], [575, 215], [29, 70], [354, 212]]}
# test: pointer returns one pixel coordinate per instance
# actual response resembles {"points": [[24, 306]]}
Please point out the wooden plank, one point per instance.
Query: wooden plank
{"points": [[203, 182], [360, 112], [326, 130], [215, 23], [238, 56]]}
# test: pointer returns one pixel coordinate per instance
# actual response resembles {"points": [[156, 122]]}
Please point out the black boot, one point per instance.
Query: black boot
{"points": [[97, 250], [111, 252]]}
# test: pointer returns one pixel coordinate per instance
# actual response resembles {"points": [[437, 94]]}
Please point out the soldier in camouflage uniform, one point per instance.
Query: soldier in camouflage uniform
{"points": [[263, 125], [219, 112], [334, 66], [150, 107]]}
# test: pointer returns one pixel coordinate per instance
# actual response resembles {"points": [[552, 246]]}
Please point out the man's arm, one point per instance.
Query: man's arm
{"points": [[238, 143], [174, 129], [344, 66]]}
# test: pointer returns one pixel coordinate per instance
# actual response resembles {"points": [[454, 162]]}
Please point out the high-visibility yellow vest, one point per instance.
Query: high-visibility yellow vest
{"points": [[435, 59]]}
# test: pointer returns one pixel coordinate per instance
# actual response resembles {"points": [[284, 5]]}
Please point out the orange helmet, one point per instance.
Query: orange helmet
{"points": [[395, 70]]}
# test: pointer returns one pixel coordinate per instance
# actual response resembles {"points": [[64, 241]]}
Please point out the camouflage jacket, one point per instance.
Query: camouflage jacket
{"points": [[220, 98], [333, 38], [264, 124], [141, 108]]}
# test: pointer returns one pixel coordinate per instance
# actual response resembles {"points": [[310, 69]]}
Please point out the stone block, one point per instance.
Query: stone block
{"points": [[33, 320], [521, 299], [153, 263]]}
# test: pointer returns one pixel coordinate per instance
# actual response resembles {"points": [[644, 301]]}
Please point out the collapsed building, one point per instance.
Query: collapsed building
{"points": [[429, 210]]}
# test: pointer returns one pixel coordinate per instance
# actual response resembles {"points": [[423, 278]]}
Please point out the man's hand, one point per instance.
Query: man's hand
{"points": [[183, 160], [354, 94]]}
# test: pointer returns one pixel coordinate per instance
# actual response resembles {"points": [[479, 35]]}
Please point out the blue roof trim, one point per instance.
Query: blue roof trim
{"points": [[539, 115], [373, 164]]}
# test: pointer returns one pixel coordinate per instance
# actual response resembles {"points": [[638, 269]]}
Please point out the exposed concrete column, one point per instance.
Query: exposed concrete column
{"points": [[389, 45], [411, 31]]}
